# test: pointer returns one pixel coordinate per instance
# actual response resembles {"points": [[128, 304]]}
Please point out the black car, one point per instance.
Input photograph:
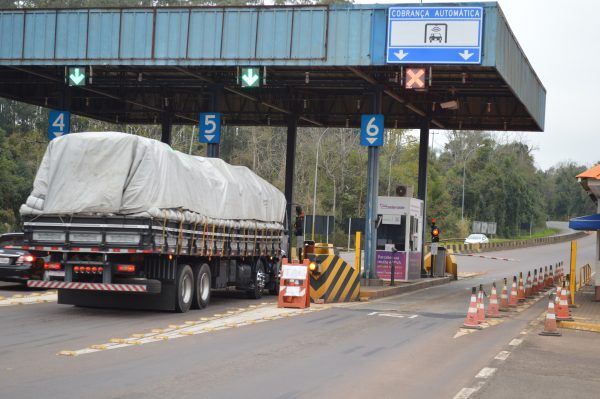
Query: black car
{"points": [[17, 265]]}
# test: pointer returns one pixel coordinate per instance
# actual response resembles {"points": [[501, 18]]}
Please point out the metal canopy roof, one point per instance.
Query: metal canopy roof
{"points": [[322, 63]]}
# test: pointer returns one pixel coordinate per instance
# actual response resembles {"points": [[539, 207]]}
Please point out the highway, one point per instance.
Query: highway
{"points": [[403, 346]]}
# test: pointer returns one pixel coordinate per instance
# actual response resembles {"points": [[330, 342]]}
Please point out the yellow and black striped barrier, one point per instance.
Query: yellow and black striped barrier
{"points": [[334, 280]]}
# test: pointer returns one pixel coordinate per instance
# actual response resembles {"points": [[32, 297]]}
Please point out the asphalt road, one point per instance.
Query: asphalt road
{"points": [[406, 350]]}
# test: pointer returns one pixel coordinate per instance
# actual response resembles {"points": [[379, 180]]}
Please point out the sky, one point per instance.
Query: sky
{"points": [[561, 39]]}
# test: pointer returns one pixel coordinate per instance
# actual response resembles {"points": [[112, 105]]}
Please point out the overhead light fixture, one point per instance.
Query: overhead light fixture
{"points": [[489, 107], [140, 77], [305, 103], [307, 77], [347, 123], [464, 77], [452, 104]]}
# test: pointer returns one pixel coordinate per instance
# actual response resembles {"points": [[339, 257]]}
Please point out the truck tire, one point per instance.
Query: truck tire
{"points": [[274, 286], [202, 279], [258, 281], [184, 289]]}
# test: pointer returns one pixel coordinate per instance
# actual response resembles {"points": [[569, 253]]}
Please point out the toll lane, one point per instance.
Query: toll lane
{"points": [[343, 351]]}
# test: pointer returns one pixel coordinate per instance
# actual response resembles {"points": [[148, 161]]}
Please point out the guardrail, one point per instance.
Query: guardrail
{"points": [[495, 246], [585, 276]]}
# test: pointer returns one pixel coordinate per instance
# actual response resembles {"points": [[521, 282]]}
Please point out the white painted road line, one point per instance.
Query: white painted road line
{"points": [[465, 393], [486, 372], [397, 316], [36, 297], [515, 342], [502, 355]]}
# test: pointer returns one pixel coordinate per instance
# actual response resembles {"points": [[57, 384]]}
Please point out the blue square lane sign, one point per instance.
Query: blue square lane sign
{"points": [[371, 130]]}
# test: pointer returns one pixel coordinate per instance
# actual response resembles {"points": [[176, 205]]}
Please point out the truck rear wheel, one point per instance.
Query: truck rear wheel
{"points": [[202, 279], [184, 292], [258, 281]]}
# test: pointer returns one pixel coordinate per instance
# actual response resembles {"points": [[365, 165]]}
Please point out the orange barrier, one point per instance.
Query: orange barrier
{"points": [[294, 290]]}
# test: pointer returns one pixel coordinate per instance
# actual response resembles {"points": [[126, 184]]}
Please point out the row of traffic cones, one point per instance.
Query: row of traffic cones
{"points": [[519, 292]]}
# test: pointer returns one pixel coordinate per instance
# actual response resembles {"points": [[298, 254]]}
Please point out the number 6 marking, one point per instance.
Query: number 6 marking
{"points": [[372, 129]]}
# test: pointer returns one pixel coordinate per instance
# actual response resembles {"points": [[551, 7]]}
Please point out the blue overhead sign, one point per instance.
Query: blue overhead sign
{"points": [[59, 124], [371, 130], [434, 35], [210, 128]]}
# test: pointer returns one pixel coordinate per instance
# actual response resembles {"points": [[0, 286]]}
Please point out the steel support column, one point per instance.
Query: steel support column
{"points": [[422, 184], [290, 161], [371, 200], [166, 125]]}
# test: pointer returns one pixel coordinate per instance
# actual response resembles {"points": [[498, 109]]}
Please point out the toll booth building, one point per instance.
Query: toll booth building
{"points": [[399, 234], [590, 181]]}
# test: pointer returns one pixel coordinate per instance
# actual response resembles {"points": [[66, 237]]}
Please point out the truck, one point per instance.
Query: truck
{"points": [[125, 221]]}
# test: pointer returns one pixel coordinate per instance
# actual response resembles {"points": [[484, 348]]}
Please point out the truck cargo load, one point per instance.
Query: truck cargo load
{"points": [[110, 173]]}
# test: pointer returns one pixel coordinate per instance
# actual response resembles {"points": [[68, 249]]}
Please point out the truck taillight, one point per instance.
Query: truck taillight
{"points": [[52, 266], [126, 268]]}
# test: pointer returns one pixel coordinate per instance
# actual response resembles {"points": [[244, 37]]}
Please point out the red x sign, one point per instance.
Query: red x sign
{"points": [[415, 78]]}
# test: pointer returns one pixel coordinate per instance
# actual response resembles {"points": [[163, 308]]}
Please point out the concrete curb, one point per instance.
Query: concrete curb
{"points": [[403, 289], [576, 325]]}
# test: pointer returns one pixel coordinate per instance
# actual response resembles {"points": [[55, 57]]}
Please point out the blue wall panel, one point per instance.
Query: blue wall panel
{"points": [[11, 34], [205, 34], [350, 36], [309, 34], [71, 34], [39, 34], [171, 33], [103, 36], [274, 34], [136, 34], [239, 33]]}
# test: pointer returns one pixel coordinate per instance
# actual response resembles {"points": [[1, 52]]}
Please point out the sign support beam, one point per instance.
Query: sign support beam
{"points": [[422, 183], [290, 161], [371, 200], [213, 149]]}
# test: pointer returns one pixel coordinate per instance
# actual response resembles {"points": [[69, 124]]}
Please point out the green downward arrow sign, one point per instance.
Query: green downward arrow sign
{"points": [[76, 77], [250, 77]]}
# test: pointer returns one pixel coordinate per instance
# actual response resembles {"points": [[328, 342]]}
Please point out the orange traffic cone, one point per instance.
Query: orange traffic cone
{"points": [[471, 320], [534, 284], [513, 301], [521, 289], [551, 277], [562, 312], [480, 305], [494, 308], [546, 280], [550, 328], [528, 289], [504, 298], [541, 281]]}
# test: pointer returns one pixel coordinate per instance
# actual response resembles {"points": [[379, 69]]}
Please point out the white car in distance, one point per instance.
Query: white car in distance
{"points": [[477, 239]]}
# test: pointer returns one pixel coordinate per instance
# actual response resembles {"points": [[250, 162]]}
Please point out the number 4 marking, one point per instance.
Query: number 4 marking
{"points": [[59, 122]]}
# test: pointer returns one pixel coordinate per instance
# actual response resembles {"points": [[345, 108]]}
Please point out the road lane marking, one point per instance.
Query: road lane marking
{"points": [[465, 393], [486, 372], [503, 355], [515, 342], [397, 316], [30, 299], [247, 317]]}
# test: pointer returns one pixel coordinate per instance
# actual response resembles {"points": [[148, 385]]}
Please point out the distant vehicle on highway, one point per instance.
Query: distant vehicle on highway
{"points": [[18, 265], [477, 239]]}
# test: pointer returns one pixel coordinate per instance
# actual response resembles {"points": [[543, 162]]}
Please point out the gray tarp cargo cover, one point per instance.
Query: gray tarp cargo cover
{"points": [[116, 173]]}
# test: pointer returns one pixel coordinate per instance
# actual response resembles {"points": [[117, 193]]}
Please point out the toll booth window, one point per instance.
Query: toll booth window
{"points": [[392, 234]]}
